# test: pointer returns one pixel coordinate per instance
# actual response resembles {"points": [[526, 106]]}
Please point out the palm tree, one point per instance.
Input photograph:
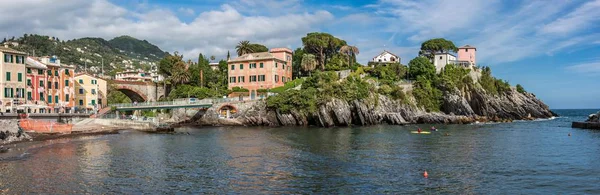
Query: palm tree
{"points": [[244, 47], [349, 51], [180, 75], [309, 63]]}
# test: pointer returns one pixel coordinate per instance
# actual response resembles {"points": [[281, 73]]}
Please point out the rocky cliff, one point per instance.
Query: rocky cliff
{"points": [[457, 108]]}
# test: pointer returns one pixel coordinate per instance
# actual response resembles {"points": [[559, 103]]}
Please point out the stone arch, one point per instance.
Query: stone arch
{"points": [[226, 110], [133, 94]]}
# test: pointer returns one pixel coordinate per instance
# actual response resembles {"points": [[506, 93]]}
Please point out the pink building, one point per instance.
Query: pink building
{"points": [[263, 70], [467, 53]]}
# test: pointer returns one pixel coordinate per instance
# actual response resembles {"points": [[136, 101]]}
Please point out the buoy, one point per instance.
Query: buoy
{"points": [[569, 134], [425, 174]]}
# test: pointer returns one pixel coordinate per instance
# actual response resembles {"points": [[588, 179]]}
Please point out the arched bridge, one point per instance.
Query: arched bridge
{"points": [[139, 91]]}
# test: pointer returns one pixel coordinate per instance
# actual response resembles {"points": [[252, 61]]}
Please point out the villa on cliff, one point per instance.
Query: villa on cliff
{"points": [[385, 57], [466, 58], [264, 70]]}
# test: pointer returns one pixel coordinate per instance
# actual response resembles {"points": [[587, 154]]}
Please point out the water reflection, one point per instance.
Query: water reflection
{"points": [[476, 159]]}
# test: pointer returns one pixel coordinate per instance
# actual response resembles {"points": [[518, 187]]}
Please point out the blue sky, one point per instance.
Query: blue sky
{"points": [[550, 47]]}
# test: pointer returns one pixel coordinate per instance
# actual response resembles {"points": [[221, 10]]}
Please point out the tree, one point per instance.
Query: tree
{"points": [[322, 45], [258, 48], [440, 45], [297, 62], [165, 66], [228, 55], [181, 74], [243, 47], [212, 58], [420, 66], [309, 63], [349, 51], [520, 88]]}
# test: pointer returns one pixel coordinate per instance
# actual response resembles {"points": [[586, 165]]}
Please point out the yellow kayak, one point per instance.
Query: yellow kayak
{"points": [[422, 132]]}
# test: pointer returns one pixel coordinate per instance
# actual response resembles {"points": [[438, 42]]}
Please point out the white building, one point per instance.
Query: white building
{"points": [[214, 65], [386, 57], [440, 60], [134, 75]]}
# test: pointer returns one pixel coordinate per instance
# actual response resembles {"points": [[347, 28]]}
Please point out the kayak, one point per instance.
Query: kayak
{"points": [[422, 132]]}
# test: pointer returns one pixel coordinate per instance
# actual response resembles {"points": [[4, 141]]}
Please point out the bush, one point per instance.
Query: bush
{"points": [[288, 85], [389, 73], [239, 89], [427, 95], [320, 79], [303, 101], [395, 92], [520, 88], [454, 76]]}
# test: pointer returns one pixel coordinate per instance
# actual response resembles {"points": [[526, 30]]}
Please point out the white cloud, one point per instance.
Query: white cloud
{"points": [[584, 16], [592, 68], [213, 32], [186, 11]]}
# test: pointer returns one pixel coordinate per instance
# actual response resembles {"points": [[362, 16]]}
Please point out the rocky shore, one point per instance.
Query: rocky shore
{"points": [[457, 108], [593, 122], [10, 132]]}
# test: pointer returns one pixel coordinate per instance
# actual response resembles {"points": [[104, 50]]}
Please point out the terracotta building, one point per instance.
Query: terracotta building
{"points": [[264, 70]]}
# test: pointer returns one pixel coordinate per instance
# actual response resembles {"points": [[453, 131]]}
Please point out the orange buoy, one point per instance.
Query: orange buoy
{"points": [[425, 174]]}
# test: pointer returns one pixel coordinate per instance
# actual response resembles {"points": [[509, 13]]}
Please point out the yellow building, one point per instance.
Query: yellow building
{"points": [[90, 93], [12, 79]]}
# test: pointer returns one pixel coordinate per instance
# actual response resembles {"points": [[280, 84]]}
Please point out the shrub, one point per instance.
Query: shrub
{"points": [[303, 101], [520, 88], [427, 95], [288, 85], [239, 89]]}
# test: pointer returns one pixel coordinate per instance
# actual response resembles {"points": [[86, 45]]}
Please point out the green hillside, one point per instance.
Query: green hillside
{"points": [[92, 52]]}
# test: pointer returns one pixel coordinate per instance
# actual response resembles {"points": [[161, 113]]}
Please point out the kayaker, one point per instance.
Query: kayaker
{"points": [[433, 128], [419, 130]]}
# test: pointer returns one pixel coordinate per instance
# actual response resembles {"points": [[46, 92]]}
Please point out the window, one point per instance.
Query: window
{"points": [[28, 82], [12, 59], [7, 76], [94, 82], [42, 96], [56, 73], [6, 92], [253, 78], [232, 67], [275, 64], [261, 77], [29, 95], [440, 57], [49, 85], [80, 91], [49, 99], [55, 85], [276, 78], [283, 79], [66, 97], [466, 49], [66, 83], [93, 91], [283, 66], [55, 99], [6, 58], [241, 79], [81, 102], [67, 72], [93, 102], [261, 65], [252, 65], [241, 66], [28, 70], [231, 79], [40, 72], [49, 72], [19, 77], [41, 83], [80, 81]]}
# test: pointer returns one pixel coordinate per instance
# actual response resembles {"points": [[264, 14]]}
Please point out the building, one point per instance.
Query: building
{"points": [[36, 85], [53, 79], [214, 65], [12, 79], [466, 54], [264, 70], [386, 57], [90, 93], [134, 75], [440, 60], [66, 88]]}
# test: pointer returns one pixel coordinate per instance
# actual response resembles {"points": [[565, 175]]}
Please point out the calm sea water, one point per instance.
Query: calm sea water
{"points": [[514, 158]]}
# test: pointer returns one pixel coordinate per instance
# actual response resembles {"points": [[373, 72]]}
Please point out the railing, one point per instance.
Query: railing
{"points": [[188, 102]]}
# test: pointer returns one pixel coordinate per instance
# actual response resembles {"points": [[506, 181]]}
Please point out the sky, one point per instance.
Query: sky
{"points": [[552, 48]]}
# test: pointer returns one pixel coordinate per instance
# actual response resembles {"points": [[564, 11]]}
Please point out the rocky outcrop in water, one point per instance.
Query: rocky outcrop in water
{"points": [[457, 108], [10, 131]]}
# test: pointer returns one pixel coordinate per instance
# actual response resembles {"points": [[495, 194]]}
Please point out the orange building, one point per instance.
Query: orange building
{"points": [[67, 88], [263, 70]]}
